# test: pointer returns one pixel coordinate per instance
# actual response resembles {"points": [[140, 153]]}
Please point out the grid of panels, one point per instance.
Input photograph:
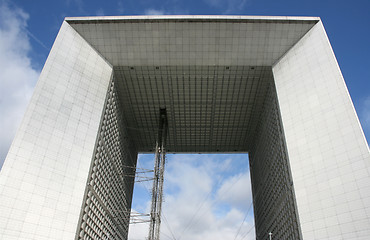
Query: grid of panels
{"points": [[208, 42], [329, 156], [106, 209], [273, 194], [210, 109]]}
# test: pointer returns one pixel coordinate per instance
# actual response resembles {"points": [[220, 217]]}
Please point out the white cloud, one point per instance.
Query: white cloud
{"points": [[228, 6], [365, 113], [17, 77], [120, 7], [152, 11], [193, 206], [214, 3], [100, 12], [364, 116], [236, 191], [78, 3]]}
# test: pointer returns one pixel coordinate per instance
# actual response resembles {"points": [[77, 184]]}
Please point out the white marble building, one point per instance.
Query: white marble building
{"points": [[269, 86]]}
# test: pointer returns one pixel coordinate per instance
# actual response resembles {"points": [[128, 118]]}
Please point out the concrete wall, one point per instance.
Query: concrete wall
{"points": [[44, 176], [105, 213], [329, 156], [273, 194]]}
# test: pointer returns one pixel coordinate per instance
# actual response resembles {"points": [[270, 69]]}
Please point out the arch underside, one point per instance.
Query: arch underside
{"points": [[254, 126]]}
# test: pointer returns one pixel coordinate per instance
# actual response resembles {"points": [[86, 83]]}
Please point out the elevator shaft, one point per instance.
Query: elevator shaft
{"points": [[157, 191]]}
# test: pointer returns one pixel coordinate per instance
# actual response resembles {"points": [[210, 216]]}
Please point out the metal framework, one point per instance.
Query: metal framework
{"points": [[157, 191]]}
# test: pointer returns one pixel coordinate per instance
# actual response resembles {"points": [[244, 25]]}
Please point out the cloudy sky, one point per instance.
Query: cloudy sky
{"points": [[207, 197], [212, 198]]}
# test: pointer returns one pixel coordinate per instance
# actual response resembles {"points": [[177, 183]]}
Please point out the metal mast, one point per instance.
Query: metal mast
{"points": [[157, 191]]}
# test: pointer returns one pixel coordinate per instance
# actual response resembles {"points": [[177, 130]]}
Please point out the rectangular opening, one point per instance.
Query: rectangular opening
{"points": [[206, 196]]}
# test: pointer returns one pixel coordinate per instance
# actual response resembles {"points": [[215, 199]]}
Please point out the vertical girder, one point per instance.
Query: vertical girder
{"points": [[157, 191]]}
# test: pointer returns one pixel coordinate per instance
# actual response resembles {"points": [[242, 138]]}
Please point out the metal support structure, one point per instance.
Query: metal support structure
{"points": [[157, 191]]}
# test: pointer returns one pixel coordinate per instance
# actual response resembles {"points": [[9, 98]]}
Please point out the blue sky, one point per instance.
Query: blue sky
{"points": [[27, 32]]}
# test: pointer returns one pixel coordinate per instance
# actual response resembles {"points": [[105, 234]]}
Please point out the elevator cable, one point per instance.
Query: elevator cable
{"points": [[246, 215]]}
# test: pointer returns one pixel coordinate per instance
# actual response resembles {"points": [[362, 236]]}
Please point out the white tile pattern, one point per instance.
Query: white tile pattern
{"points": [[211, 109], [272, 184], [207, 68], [329, 156], [159, 42], [44, 176], [105, 213]]}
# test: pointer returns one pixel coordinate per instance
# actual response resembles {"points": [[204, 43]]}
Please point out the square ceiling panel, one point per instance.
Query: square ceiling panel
{"points": [[210, 72]]}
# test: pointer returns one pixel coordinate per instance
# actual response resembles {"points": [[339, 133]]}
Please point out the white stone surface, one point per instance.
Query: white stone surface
{"points": [[166, 41], [328, 153], [44, 176]]}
